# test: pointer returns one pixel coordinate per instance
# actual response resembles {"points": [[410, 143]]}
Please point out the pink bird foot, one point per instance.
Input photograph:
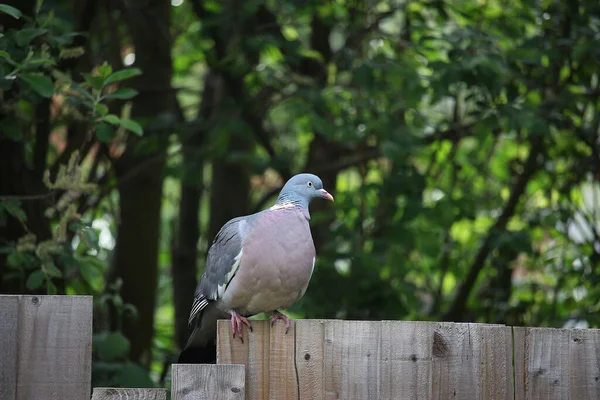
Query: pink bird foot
{"points": [[277, 315], [237, 324]]}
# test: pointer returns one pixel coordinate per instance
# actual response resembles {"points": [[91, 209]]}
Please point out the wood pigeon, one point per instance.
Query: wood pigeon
{"points": [[256, 263]]}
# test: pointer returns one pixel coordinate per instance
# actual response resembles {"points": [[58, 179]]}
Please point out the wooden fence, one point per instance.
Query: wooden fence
{"points": [[45, 353]]}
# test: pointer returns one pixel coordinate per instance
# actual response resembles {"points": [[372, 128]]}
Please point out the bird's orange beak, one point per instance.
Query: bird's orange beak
{"points": [[325, 194]]}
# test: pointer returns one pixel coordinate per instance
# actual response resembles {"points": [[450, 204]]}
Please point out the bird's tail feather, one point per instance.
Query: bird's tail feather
{"points": [[201, 346]]}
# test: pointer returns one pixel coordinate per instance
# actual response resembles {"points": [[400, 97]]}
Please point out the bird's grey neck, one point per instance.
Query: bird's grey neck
{"points": [[290, 200]]}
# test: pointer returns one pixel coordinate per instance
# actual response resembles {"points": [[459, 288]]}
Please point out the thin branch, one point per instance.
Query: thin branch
{"points": [[531, 166]]}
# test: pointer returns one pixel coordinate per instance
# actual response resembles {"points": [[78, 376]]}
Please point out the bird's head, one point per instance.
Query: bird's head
{"points": [[303, 188]]}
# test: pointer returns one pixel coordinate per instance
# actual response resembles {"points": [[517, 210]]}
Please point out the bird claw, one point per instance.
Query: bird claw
{"points": [[277, 315], [237, 325]]}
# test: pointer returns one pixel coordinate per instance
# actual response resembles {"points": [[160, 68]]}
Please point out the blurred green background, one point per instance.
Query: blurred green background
{"points": [[459, 138]]}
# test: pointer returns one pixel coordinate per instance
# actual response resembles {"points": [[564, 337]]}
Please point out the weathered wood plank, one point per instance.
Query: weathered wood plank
{"points": [[471, 361], [495, 355], [54, 345], [556, 363], [406, 354], [254, 353], [519, 351], [443, 351], [310, 338], [584, 364], [283, 383], [545, 363], [351, 359], [102, 393], [9, 328], [208, 382]]}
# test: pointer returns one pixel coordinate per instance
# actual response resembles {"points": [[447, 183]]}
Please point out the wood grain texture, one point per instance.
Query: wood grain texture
{"points": [[283, 380], [443, 362], [101, 393], [584, 364], [9, 328], [332, 359], [472, 361], [556, 363], [254, 353], [351, 359], [545, 363], [495, 375], [53, 347], [519, 351], [310, 338], [406, 360], [208, 382]]}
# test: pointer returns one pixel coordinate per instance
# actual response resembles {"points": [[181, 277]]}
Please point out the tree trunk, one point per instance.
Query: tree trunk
{"points": [[140, 175], [185, 254]]}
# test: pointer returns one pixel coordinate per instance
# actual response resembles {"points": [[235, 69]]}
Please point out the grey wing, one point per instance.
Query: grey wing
{"points": [[222, 263]]}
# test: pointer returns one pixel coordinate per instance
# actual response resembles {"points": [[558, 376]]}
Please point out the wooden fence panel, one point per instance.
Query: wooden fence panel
{"points": [[351, 359], [208, 382], [231, 350], [283, 380], [406, 360], [310, 339], [556, 364], [9, 329], [584, 364], [51, 340], [101, 393], [322, 360]]}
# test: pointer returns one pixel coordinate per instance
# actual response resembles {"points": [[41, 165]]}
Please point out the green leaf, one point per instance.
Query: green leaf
{"points": [[112, 119], [132, 126], [122, 75], [5, 55], [51, 269], [96, 82], [105, 70], [104, 132], [40, 83], [111, 346], [13, 207], [13, 12], [124, 94], [35, 280], [24, 36], [91, 274], [85, 93], [101, 109]]}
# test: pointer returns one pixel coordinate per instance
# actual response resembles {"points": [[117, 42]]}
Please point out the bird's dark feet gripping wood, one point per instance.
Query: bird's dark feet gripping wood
{"points": [[237, 325], [277, 315]]}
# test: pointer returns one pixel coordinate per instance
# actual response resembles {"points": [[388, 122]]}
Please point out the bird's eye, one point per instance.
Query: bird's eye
{"points": [[309, 184]]}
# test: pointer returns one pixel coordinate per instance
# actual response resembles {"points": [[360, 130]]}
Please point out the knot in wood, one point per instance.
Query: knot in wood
{"points": [[235, 390], [440, 345], [35, 300], [307, 356]]}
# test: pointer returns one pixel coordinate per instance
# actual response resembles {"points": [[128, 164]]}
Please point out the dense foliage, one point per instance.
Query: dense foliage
{"points": [[460, 140]]}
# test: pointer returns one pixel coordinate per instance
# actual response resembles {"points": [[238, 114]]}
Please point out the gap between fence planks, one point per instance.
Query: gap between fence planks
{"points": [[331, 359], [45, 347], [102, 393]]}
